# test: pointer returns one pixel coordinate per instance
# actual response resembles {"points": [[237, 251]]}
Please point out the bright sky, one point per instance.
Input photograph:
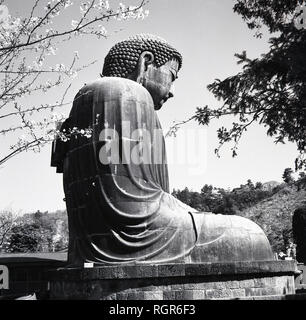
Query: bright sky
{"points": [[207, 33]]}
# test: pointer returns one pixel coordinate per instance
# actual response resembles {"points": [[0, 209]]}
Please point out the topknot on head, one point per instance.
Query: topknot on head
{"points": [[123, 57]]}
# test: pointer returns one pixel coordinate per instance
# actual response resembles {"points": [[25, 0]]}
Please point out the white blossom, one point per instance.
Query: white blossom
{"points": [[30, 72], [52, 50], [68, 3], [74, 23]]}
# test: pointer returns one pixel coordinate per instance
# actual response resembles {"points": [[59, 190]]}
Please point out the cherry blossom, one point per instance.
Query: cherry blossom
{"points": [[30, 64]]}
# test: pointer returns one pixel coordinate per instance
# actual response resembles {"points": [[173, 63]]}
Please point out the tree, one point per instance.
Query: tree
{"points": [[7, 222], [33, 232], [209, 198], [287, 176], [24, 238], [30, 64], [250, 184], [270, 90], [218, 200], [301, 181]]}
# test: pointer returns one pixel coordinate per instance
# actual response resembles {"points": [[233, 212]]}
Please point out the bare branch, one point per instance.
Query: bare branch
{"points": [[21, 149], [24, 70], [174, 128], [40, 108]]}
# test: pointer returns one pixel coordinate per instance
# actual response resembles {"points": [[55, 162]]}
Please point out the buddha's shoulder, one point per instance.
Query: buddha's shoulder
{"points": [[112, 87]]}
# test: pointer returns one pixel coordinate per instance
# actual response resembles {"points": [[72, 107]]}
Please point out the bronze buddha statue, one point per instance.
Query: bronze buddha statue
{"points": [[120, 209]]}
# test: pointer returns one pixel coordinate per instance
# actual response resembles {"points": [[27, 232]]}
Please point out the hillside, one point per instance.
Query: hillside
{"points": [[274, 215]]}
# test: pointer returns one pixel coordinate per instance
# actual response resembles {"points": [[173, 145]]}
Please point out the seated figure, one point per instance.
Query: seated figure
{"points": [[116, 180]]}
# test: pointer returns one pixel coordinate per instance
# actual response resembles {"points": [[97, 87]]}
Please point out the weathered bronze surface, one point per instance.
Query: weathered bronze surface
{"points": [[116, 181]]}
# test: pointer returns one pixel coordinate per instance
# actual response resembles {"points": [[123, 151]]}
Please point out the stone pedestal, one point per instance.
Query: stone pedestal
{"points": [[174, 281]]}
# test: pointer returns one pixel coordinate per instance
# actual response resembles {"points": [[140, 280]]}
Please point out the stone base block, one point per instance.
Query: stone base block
{"points": [[235, 280]]}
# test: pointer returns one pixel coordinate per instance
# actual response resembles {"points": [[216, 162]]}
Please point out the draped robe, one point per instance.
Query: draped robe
{"points": [[117, 191]]}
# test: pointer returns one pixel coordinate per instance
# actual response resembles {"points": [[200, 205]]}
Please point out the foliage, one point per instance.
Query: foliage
{"points": [[7, 221], [31, 65], [219, 200], [270, 90], [39, 232], [277, 15], [24, 238], [287, 176], [301, 182]]}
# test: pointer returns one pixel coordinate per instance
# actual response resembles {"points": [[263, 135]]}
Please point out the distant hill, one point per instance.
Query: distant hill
{"points": [[274, 214]]}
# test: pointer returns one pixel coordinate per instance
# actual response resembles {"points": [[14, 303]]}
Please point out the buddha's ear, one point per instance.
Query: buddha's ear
{"points": [[145, 59]]}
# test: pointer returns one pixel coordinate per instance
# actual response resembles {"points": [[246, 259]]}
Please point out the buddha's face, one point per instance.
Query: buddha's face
{"points": [[159, 81]]}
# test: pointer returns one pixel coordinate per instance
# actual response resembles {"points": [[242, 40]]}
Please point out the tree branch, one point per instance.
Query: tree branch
{"points": [[77, 29], [20, 149]]}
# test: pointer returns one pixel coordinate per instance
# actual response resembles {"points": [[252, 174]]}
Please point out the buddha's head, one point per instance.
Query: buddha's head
{"points": [[148, 60]]}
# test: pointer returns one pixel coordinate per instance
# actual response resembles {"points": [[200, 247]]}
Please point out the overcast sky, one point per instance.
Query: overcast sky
{"points": [[207, 33]]}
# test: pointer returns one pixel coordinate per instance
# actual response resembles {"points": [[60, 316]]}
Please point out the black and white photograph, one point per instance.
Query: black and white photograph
{"points": [[153, 153]]}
